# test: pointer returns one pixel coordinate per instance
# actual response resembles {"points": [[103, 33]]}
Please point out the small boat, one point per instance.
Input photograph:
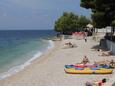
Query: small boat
{"points": [[88, 71]]}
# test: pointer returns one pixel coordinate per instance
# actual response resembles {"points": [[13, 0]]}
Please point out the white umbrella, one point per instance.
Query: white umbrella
{"points": [[89, 26]]}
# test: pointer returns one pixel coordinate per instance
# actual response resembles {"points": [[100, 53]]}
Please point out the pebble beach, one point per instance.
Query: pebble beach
{"points": [[48, 70]]}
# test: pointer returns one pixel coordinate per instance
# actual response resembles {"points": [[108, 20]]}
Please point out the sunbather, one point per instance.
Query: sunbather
{"points": [[70, 44], [109, 63], [96, 83], [106, 53], [85, 60], [99, 50], [101, 62]]}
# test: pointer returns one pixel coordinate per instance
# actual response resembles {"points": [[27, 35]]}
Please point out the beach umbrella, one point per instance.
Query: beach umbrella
{"points": [[90, 26]]}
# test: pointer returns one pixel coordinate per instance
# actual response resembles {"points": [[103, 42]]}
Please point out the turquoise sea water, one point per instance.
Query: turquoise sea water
{"points": [[19, 47]]}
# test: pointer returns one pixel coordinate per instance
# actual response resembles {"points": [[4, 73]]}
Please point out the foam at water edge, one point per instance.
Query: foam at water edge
{"points": [[20, 67], [51, 44]]}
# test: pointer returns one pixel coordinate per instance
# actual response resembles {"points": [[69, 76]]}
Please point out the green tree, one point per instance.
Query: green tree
{"points": [[82, 22], [102, 11], [69, 22], [113, 25]]}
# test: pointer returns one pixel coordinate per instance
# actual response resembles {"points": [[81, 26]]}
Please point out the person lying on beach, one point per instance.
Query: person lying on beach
{"points": [[99, 50], [70, 44], [101, 62], [103, 53], [106, 53], [85, 60], [109, 63], [96, 83]]}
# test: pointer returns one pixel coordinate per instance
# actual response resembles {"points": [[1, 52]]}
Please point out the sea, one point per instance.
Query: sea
{"points": [[18, 48]]}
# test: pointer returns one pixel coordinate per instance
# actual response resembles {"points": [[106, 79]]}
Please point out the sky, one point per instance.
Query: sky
{"points": [[36, 14]]}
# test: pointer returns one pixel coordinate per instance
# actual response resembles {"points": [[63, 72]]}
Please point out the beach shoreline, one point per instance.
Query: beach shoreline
{"points": [[18, 68], [48, 70], [39, 59]]}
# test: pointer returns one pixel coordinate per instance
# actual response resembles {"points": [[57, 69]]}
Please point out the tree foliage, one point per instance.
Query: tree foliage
{"points": [[66, 23], [113, 23], [103, 11], [69, 22], [82, 22]]}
